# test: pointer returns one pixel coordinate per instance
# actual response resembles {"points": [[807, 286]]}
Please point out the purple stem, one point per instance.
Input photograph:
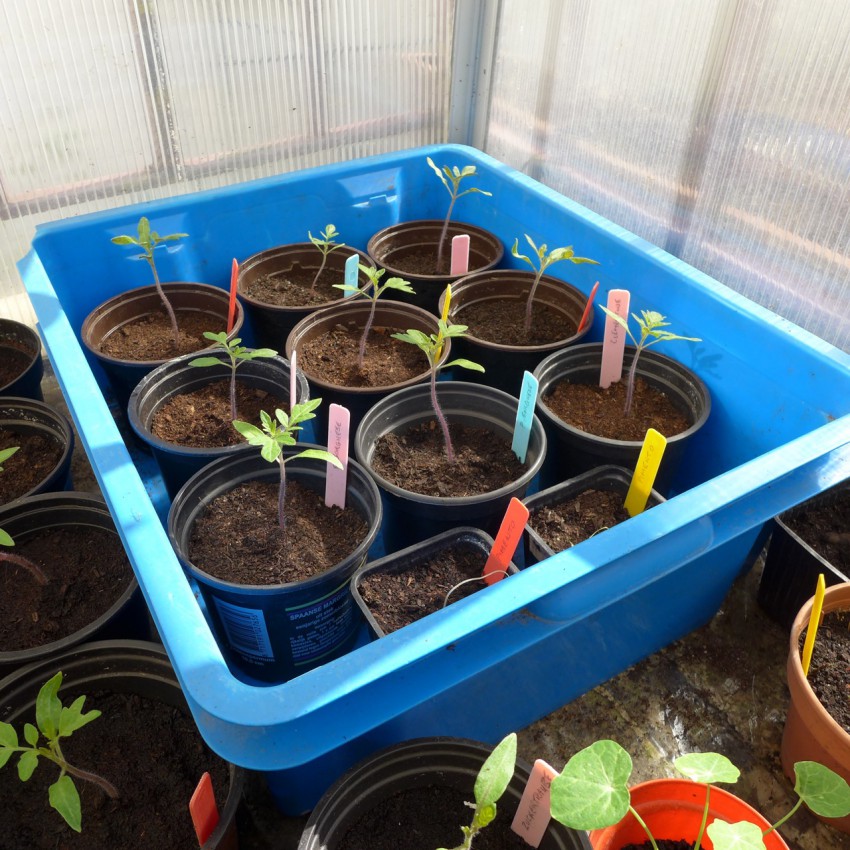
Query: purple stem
{"points": [[530, 302], [440, 418], [19, 561], [165, 303], [319, 272], [281, 496], [362, 355], [441, 250], [233, 410], [105, 784]]}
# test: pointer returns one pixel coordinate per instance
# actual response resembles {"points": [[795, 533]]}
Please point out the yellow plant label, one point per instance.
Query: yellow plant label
{"points": [[647, 468]]}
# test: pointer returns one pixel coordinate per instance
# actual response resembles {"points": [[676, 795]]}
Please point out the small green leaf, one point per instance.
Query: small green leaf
{"points": [[465, 364], [207, 361], [124, 240], [65, 799], [5, 755], [7, 453], [484, 815], [6, 538], [735, 836], [72, 717], [27, 763], [496, 772], [400, 284], [825, 792], [8, 735], [250, 432], [413, 336], [48, 707], [271, 451], [345, 287], [30, 734], [319, 454], [259, 352], [144, 227], [708, 768]]}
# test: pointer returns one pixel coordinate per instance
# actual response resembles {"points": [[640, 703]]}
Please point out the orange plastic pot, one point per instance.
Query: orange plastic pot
{"points": [[810, 732], [672, 809]]}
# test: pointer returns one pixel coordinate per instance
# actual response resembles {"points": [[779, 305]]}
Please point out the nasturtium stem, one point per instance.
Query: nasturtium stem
{"points": [[642, 822], [783, 819]]}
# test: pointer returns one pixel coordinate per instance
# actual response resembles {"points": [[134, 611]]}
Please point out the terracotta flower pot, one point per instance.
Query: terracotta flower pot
{"points": [[810, 732]]}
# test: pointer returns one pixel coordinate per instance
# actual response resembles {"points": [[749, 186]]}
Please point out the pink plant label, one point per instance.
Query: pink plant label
{"points": [[338, 424], [351, 269], [203, 810], [293, 380], [587, 308], [505, 545], [231, 307], [614, 340], [524, 416], [532, 815], [460, 255]]}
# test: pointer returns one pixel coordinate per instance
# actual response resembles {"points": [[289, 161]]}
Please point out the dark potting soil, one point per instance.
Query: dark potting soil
{"points": [[503, 322], [35, 459], [822, 523], [150, 751], [294, 288], [86, 569], [332, 357], [237, 537], [202, 418], [427, 818], [13, 361], [596, 411], [416, 460], [150, 338], [398, 599], [567, 523], [421, 261], [829, 672]]}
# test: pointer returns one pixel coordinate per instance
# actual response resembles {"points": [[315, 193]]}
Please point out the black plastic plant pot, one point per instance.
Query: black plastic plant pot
{"points": [[573, 451], [504, 365], [127, 307], [354, 313], [611, 479], [20, 347], [127, 617], [30, 418], [414, 558], [272, 633], [273, 323], [421, 763], [412, 517], [395, 247], [116, 666], [177, 463]]}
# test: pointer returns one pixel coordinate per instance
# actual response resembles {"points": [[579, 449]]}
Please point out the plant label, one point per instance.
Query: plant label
{"points": [[505, 545], [351, 269], [460, 255], [587, 308], [203, 810], [614, 339], [814, 622], [646, 469], [524, 416], [532, 814], [293, 379], [231, 307], [339, 419]]}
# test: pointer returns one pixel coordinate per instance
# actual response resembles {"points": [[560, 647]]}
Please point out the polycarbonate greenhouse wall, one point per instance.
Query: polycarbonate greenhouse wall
{"points": [[717, 130]]}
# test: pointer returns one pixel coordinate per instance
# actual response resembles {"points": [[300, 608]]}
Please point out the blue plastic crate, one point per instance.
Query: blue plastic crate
{"points": [[778, 434]]}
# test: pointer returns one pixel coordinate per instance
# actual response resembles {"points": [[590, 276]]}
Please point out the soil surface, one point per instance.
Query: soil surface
{"points": [[823, 524], [35, 459], [422, 260], [238, 539], [503, 322], [567, 523], [150, 751], [294, 288], [14, 360], [203, 418], [86, 570], [332, 357], [829, 673], [398, 599], [427, 818], [150, 338], [416, 460], [596, 411]]}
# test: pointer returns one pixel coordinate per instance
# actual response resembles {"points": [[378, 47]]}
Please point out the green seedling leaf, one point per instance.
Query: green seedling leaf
{"points": [[5, 454], [72, 717], [465, 364], [496, 772], [707, 768], [8, 735], [65, 799], [735, 836], [27, 763], [30, 734], [822, 790], [48, 708], [6, 538], [592, 791], [326, 245]]}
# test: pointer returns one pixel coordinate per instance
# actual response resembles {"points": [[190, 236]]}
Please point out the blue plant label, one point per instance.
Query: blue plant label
{"points": [[524, 416], [245, 629], [351, 269]]}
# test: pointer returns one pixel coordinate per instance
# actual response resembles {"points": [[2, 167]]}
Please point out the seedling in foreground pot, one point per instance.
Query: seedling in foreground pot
{"points": [[651, 324], [6, 539], [237, 354], [377, 289], [148, 240], [431, 346], [274, 435], [54, 721], [326, 245], [545, 258], [492, 781], [451, 177], [593, 793]]}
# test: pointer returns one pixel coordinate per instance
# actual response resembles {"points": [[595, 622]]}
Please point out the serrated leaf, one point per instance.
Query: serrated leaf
{"points": [[271, 451], [27, 763], [825, 792], [250, 432], [413, 336], [735, 836], [72, 717], [30, 734], [496, 772], [8, 735], [708, 768], [400, 284], [64, 798], [48, 707]]}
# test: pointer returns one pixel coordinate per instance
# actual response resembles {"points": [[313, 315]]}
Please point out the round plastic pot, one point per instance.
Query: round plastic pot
{"points": [[127, 307], [414, 557], [118, 666], [610, 479], [272, 323], [412, 517], [354, 314], [127, 617], [673, 809], [420, 763], [273, 633], [389, 248], [810, 732], [27, 416], [504, 364], [177, 463], [573, 451], [18, 337]]}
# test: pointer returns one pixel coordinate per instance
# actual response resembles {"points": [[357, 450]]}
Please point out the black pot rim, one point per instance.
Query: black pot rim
{"points": [[31, 333]]}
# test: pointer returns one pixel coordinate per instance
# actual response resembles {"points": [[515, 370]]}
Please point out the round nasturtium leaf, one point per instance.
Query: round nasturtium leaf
{"points": [[735, 836], [708, 768], [822, 790]]}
